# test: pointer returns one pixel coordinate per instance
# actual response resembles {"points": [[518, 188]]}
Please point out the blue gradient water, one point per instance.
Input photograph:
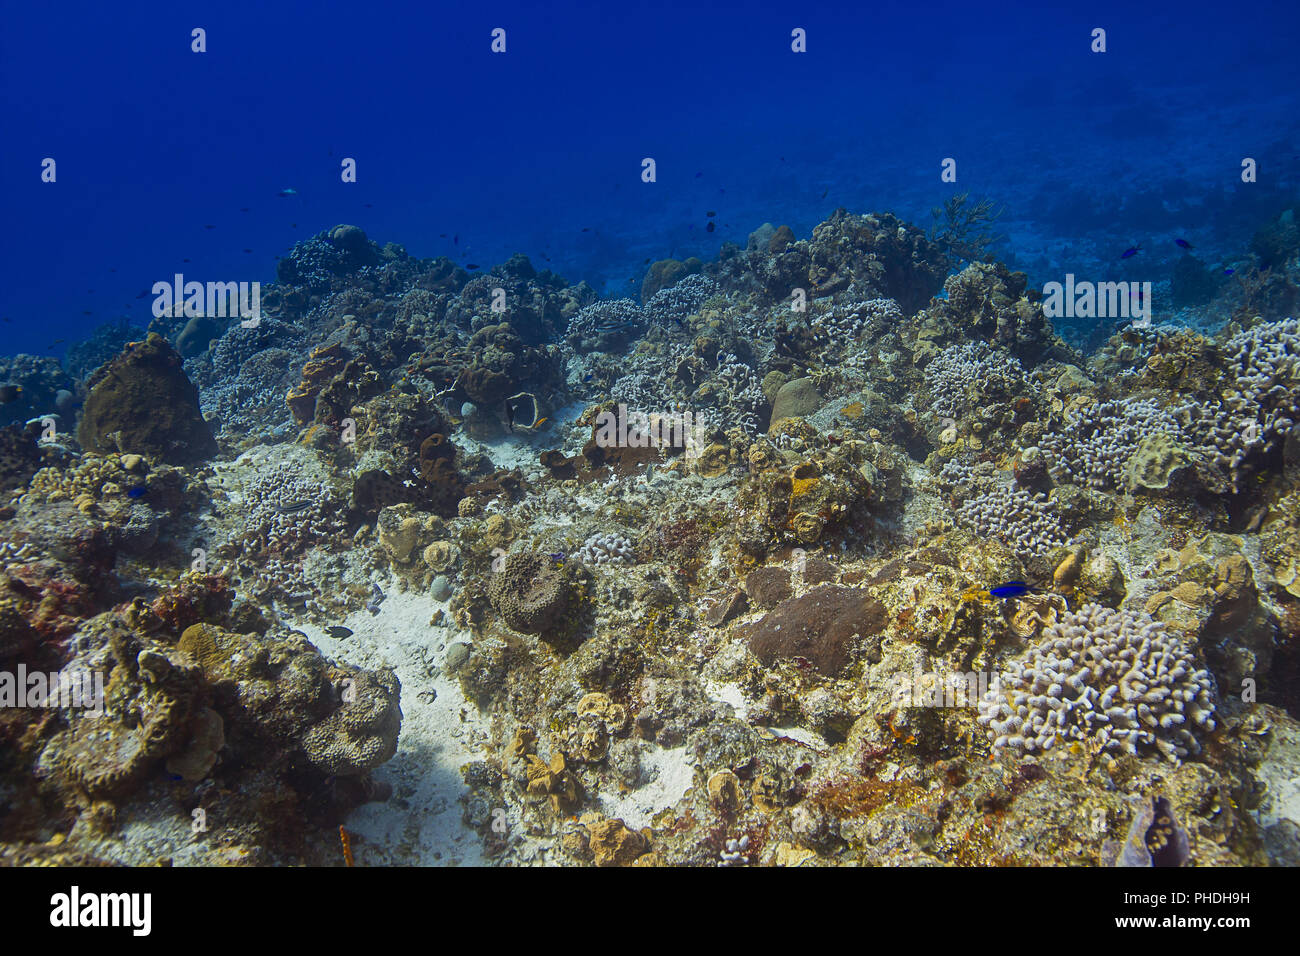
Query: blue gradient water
{"points": [[539, 150]]}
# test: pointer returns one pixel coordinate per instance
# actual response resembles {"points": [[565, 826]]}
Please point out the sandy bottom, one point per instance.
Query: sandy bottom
{"points": [[421, 823]]}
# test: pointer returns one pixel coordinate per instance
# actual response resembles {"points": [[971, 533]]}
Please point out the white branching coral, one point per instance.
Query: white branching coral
{"points": [[608, 548], [1027, 523], [604, 325], [962, 376], [1113, 679], [1095, 444]]}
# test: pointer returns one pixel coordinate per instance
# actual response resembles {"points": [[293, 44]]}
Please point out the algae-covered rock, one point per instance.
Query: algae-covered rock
{"points": [[821, 626], [198, 334], [399, 531], [141, 402], [666, 272], [200, 754], [345, 720]]}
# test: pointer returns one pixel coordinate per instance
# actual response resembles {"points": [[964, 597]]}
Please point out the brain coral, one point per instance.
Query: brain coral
{"points": [[1112, 678], [531, 594], [362, 733]]}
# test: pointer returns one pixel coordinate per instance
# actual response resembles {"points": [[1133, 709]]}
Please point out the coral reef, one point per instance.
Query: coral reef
{"points": [[388, 543]]}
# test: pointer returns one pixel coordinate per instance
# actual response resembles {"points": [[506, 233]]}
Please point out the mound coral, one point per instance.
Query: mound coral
{"points": [[531, 594], [141, 402], [821, 627]]}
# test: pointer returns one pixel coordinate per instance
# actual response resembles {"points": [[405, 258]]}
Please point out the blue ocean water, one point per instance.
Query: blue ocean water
{"points": [[169, 160]]}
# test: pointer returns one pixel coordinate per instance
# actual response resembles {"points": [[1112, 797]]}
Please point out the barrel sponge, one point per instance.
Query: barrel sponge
{"points": [[531, 593], [362, 733]]}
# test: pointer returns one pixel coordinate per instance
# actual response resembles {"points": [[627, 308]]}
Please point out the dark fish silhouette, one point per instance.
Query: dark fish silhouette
{"points": [[339, 632], [209, 226], [1183, 244], [1130, 252], [710, 227], [9, 393], [510, 417], [471, 265]]}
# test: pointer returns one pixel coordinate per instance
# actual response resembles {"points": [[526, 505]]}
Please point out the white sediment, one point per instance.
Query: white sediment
{"points": [[422, 822]]}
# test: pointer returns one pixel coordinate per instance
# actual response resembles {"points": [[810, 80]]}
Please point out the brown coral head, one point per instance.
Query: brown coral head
{"points": [[557, 463], [436, 446]]}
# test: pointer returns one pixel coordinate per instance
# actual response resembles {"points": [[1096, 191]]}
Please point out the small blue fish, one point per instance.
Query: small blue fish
{"points": [[1013, 589], [1130, 252], [139, 491], [289, 192], [1183, 244], [1228, 272]]}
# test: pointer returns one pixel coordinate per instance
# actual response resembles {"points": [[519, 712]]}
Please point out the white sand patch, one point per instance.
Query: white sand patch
{"points": [[728, 694], [671, 774], [520, 448], [421, 823], [1278, 771]]}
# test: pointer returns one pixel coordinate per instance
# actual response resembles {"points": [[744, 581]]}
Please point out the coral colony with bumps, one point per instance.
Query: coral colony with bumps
{"points": [[689, 580]]}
